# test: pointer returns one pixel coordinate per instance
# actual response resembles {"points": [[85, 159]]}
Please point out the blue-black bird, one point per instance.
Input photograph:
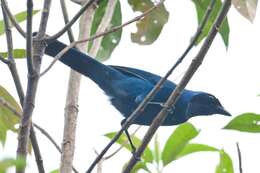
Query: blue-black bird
{"points": [[127, 87]]}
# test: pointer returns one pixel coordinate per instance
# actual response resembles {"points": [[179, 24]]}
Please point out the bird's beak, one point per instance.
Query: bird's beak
{"points": [[222, 111]]}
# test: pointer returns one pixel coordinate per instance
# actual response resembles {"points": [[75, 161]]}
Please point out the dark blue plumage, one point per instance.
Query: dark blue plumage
{"points": [[127, 87]]}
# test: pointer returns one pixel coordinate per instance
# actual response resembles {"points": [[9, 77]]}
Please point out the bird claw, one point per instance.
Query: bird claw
{"points": [[169, 109], [135, 156]]}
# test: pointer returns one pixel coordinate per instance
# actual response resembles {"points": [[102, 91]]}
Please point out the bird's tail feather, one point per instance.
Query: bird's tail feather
{"points": [[101, 74]]}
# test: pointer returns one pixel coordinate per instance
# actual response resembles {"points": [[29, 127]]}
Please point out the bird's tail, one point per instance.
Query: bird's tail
{"points": [[101, 74]]}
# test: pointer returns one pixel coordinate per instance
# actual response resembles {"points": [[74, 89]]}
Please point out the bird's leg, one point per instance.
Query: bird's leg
{"points": [[130, 141]]}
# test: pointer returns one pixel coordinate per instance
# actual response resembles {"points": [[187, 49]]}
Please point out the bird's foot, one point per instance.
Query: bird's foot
{"points": [[135, 156], [170, 109]]}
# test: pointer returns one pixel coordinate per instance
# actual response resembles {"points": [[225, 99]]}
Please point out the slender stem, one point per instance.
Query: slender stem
{"points": [[29, 54], [196, 62], [97, 35], [12, 18], [73, 20], [66, 20], [239, 158], [11, 62], [4, 60]]}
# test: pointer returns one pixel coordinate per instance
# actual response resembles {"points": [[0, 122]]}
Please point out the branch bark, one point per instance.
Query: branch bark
{"points": [[71, 108], [34, 52]]}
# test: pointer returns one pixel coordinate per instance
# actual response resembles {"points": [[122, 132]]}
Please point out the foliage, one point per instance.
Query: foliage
{"points": [[247, 122], [110, 41], [20, 17], [17, 53], [5, 164], [150, 27], [8, 119], [179, 143], [177, 146], [201, 7]]}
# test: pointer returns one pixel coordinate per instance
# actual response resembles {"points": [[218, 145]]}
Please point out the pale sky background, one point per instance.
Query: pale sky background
{"points": [[231, 75]]}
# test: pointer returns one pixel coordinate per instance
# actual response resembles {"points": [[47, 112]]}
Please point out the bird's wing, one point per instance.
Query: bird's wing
{"points": [[152, 78]]}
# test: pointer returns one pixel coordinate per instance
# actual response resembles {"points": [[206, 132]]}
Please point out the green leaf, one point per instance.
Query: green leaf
{"points": [[247, 122], [150, 27], [20, 17], [177, 142], [109, 41], [55, 171], [192, 148], [123, 141], [157, 151], [7, 163], [201, 7], [225, 165], [7, 118], [17, 53], [246, 8]]}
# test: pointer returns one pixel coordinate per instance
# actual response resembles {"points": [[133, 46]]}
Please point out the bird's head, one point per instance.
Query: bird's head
{"points": [[205, 104]]}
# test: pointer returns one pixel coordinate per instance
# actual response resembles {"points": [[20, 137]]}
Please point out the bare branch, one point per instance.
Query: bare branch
{"points": [[71, 107], [97, 35], [13, 20], [66, 19], [29, 54], [73, 20], [34, 52], [4, 60], [196, 62], [19, 89], [239, 158]]}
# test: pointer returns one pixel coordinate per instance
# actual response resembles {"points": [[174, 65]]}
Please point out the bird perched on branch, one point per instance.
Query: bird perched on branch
{"points": [[127, 87]]}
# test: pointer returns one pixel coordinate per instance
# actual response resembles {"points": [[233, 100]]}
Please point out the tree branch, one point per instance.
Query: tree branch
{"points": [[13, 20], [4, 103], [66, 20], [34, 51], [71, 107], [73, 20], [196, 62], [4, 60], [12, 67], [97, 35], [29, 53], [239, 158]]}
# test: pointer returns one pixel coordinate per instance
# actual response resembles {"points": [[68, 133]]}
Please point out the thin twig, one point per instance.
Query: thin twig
{"points": [[7, 105], [4, 60], [196, 62], [29, 53], [239, 158], [97, 35], [73, 20], [12, 18], [66, 19], [11, 62], [152, 93]]}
